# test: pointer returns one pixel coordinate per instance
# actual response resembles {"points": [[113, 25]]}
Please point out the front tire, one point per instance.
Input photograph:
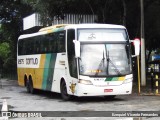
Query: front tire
{"points": [[64, 93]]}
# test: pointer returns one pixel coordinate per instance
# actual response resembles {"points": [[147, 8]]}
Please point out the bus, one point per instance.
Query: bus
{"points": [[76, 60]]}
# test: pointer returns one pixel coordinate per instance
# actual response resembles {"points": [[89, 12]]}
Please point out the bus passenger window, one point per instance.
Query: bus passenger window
{"points": [[61, 41], [37, 48], [45, 43], [52, 43], [20, 47]]}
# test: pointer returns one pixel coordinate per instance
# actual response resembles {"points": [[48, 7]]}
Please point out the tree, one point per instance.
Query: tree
{"points": [[11, 15], [152, 25], [4, 54], [108, 11], [4, 51]]}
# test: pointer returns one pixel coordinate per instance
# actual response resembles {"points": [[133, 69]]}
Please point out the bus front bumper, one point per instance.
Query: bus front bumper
{"points": [[93, 90]]}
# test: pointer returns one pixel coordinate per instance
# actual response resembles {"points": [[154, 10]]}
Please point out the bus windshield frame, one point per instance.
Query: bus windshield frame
{"points": [[104, 58]]}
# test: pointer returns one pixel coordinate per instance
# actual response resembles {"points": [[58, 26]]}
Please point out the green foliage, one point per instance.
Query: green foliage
{"points": [[4, 51], [108, 11], [11, 14], [10, 65]]}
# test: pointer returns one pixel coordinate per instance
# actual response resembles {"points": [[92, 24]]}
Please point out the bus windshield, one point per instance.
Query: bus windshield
{"points": [[104, 59]]}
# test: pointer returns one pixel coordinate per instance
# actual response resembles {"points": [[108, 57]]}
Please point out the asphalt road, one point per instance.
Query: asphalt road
{"points": [[19, 100]]}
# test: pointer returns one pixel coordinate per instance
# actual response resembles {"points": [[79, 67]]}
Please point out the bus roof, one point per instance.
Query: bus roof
{"points": [[60, 27], [45, 30], [67, 26], [94, 26], [53, 27]]}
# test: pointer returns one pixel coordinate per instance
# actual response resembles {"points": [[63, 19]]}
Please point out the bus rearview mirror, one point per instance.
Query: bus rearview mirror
{"points": [[77, 48], [136, 43], [137, 47]]}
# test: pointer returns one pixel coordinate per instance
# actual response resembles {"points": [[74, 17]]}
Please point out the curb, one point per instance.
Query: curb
{"points": [[149, 94]]}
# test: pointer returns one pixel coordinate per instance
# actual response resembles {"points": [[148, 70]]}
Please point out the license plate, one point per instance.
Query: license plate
{"points": [[108, 90]]}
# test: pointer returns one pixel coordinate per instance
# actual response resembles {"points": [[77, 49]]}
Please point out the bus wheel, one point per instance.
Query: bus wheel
{"points": [[64, 93], [29, 86]]}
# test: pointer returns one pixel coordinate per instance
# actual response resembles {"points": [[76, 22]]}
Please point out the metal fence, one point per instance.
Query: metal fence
{"points": [[74, 19], [11, 76], [8, 74], [34, 20]]}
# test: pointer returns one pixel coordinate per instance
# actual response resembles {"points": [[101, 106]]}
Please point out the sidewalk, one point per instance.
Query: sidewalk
{"points": [[145, 90]]}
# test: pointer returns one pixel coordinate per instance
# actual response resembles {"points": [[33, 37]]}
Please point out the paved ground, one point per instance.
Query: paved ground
{"points": [[19, 100]]}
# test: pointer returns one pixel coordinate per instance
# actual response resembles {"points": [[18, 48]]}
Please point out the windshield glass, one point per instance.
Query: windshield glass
{"points": [[104, 59]]}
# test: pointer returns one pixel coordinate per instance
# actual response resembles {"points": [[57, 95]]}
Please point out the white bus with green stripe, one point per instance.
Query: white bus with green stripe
{"points": [[76, 60]]}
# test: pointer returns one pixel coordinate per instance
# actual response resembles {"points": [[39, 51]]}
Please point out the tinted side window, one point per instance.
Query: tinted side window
{"points": [[37, 45], [52, 43], [60, 36], [71, 53], [20, 47], [30, 46], [49, 43], [43, 44]]}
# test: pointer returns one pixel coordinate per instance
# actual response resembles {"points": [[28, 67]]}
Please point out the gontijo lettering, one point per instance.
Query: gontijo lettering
{"points": [[20, 61], [31, 61]]}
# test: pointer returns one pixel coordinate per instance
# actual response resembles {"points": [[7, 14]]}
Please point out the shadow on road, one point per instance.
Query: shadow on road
{"points": [[57, 96]]}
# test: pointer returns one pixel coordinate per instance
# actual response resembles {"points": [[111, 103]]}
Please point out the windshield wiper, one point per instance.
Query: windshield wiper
{"points": [[109, 60], [102, 62], [116, 69]]}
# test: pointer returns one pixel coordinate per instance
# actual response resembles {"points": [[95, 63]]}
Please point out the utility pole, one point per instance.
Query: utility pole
{"points": [[143, 55]]}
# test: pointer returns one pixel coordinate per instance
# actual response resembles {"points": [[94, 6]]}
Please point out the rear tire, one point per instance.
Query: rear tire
{"points": [[64, 93], [29, 86]]}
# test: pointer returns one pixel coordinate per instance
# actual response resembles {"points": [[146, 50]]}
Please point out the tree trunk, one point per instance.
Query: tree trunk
{"points": [[124, 12]]}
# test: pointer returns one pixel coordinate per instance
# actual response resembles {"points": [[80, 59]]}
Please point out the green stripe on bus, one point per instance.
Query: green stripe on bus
{"points": [[112, 79], [115, 79], [51, 71], [46, 70], [108, 79]]}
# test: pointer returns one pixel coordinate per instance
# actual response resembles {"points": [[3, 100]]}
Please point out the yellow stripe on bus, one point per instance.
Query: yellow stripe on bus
{"points": [[121, 78], [40, 71]]}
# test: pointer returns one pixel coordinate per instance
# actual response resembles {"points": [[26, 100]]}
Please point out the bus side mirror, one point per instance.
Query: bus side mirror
{"points": [[136, 43], [77, 48]]}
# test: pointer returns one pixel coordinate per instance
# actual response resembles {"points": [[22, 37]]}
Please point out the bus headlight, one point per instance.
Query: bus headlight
{"points": [[86, 82], [128, 80]]}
